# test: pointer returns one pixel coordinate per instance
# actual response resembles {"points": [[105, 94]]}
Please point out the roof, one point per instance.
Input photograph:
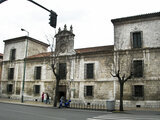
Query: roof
{"points": [[109, 48], [142, 16], [23, 38], [1, 55], [95, 49], [40, 55]]}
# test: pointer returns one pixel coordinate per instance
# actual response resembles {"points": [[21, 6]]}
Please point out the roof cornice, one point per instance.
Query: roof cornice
{"points": [[22, 38], [136, 17]]}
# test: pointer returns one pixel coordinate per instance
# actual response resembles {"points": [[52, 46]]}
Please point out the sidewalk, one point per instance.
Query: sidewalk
{"points": [[140, 109], [29, 103], [40, 104]]}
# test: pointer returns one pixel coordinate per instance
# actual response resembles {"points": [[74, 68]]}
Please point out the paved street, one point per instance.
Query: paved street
{"points": [[129, 115], [23, 112]]}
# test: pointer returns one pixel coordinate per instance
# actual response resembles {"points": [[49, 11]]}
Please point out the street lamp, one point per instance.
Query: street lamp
{"points": [[25, 31], [24, 70]]}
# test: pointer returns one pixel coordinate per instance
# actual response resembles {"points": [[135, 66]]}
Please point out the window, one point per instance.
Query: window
{"points": [[62, 70], [36, 89], [137, 39], [138, 68], [88, 91], [138, 91], [38, 73], [12, 54], [89, 71], [9, 88], [10, 73]]}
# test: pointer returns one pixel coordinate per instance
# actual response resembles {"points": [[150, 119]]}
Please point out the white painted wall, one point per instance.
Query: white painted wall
{"points": [[150, 35], [20, 50]]}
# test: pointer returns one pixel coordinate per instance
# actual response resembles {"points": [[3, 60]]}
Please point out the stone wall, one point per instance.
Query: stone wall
{"points": [[150, 33]]}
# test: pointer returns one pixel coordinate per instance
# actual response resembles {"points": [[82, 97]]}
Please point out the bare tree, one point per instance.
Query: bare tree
{"points": [[54, 63], [122, 69]]}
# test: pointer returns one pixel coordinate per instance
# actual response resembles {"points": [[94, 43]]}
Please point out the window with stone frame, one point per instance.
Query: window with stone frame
{"points": [[38, 72], [138, 68], [13, 54], [88, 91], [10, 73], [136, 40], [36, 89], [138, 91], [62, 70], [9, 88], [89, 71]]}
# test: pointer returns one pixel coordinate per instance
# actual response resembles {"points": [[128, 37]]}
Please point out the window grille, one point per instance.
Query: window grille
{"points": [[89, 71], [138, 68], [36, 89], [11, 73], [62, 70], [137, 39], [38, 73], [13, 54], [88, 91]]}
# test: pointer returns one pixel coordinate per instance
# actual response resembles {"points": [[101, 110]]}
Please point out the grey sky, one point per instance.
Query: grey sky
{"points": [[90, 18]]}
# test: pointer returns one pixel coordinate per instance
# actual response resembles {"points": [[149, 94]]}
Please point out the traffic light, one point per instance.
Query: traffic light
{"points": [[53, 19], [2, 1]]}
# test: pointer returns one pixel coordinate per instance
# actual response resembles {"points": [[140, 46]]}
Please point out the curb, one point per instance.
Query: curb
{"points": [[25, 104]]}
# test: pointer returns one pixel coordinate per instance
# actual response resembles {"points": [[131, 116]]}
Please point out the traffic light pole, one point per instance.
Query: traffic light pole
{"points": [[53, 15], [1, 1], [39, 5]]}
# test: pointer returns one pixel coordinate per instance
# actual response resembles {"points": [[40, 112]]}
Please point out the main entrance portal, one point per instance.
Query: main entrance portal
{"points": [[62, 92]]}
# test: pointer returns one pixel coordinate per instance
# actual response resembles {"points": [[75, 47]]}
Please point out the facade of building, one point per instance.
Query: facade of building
{"points": [[86, 73], [1, 58], [13, 63], [137, 50]]}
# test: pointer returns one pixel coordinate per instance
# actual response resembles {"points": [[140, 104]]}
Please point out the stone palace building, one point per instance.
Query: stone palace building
{"points": [[86, 73]]}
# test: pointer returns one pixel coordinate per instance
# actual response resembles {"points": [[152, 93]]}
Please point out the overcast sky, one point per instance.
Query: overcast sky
{"points": [[91, 19]]}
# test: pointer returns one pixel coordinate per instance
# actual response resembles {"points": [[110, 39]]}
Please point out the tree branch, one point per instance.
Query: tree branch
{"points": [[123, 76], [129, 77], [113, 75], [117, 75]]}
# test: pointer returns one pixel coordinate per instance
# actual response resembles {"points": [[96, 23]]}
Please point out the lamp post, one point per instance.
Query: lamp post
{"points": [[24, 68]]}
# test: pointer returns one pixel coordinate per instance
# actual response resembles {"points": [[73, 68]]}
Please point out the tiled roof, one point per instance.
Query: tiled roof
{"points": [[148, 15], [94, 49], [40, 55], [79, 51], [1, 55]]}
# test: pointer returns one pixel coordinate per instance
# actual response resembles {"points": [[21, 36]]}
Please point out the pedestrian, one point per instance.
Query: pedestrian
{"points": [[61, 102], [45, 97], [47, 100], [50, 100], [42, 96]]}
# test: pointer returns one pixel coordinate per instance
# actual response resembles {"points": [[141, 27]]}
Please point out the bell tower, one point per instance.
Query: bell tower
{"points": [[65, 41]]}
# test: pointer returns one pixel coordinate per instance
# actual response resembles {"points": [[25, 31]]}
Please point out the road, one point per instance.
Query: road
{"points": [[21, 112], [133, 115]]}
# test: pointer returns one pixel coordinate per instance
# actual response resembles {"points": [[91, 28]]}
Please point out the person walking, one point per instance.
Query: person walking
{"points": [[42, 96], [45, 97], [50, 99], [61, 102], [47, 100]]}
